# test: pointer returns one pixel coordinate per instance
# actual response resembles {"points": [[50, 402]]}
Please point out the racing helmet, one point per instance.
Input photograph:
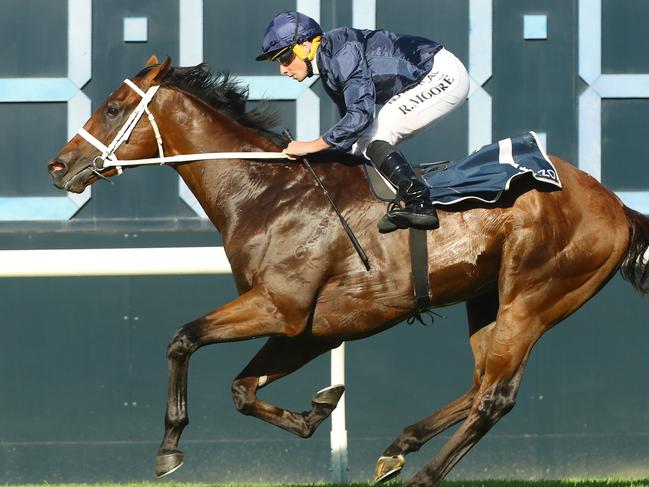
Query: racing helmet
{"points": [[285, 31]]}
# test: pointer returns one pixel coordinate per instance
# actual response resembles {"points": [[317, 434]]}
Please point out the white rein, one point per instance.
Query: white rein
{"points": [[109, 159]]}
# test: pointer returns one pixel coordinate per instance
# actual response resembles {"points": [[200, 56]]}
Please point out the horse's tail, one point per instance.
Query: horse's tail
{"points": [[635, 267]]}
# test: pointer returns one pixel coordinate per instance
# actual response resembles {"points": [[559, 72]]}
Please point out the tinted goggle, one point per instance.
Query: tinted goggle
{"points": [[285, 56]]}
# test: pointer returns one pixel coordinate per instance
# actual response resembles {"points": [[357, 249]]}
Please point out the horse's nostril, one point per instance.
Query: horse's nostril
{"points": [[56, 166]]}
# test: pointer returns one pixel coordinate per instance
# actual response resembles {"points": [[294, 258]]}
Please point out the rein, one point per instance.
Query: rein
{"points": [[108, 158]]}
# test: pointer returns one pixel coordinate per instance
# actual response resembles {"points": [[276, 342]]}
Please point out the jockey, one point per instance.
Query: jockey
{"points": [[415, 80]]}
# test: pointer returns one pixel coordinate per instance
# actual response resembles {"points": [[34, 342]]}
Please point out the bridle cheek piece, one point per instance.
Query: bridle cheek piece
{"points": [[99, 163]]}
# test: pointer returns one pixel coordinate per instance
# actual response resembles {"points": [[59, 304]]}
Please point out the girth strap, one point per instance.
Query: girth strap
{"points": [[419, 264]]}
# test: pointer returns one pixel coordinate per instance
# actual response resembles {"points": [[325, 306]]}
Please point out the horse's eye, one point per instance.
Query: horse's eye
{"points": [[112, 110]]}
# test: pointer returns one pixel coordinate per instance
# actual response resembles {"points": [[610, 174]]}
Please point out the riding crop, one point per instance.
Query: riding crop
{"points": [[350, 233]]}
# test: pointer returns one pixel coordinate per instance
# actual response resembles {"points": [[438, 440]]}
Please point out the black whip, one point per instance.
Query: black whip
{"points": [[350, 233]]}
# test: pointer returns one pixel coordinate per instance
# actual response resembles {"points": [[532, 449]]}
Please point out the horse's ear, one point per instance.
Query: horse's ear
{"points": [[164, 67], [152, 60], [158, 72]]}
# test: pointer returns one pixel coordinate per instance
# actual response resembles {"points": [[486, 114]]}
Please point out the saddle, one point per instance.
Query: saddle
{"points": [[384, 190], [484, 176]]}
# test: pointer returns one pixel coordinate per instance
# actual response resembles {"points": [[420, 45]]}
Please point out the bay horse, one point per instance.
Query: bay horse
{"points": [[521, 266]]}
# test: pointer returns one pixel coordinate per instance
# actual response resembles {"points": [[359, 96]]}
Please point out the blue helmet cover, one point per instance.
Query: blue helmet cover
{"points": [[281, 33]]}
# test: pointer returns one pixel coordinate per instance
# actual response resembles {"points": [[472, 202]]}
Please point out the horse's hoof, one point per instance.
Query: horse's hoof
{"points": [[388, 468], [329, 396], [168, 463]]}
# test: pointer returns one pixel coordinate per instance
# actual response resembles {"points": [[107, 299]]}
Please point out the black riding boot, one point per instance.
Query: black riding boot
{"points": [[418, 212]]}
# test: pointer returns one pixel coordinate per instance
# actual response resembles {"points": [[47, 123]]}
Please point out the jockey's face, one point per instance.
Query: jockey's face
{"points": [[296, 69]]}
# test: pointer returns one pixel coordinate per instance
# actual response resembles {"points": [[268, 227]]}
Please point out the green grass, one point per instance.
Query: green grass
{"points": [[454, 483]]}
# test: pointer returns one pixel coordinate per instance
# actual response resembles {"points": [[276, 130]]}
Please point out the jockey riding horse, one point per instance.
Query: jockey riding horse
{"points": [[416, 80]]}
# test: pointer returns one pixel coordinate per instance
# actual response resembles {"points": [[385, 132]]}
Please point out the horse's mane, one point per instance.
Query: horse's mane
{"points": [[223, 92]]}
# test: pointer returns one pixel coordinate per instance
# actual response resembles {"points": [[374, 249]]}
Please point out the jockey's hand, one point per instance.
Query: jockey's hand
{"points": [[299, 148]]}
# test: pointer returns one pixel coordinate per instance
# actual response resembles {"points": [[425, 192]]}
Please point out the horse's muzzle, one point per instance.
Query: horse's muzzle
{"points": [[66, 177], [57, 169]]}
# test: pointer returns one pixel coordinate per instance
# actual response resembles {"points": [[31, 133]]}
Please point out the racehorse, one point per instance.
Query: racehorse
{"points": [[521, 265]]}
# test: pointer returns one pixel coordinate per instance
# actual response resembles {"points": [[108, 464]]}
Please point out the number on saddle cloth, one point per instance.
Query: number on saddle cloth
{"points": [[483, 175], [486, 173]]}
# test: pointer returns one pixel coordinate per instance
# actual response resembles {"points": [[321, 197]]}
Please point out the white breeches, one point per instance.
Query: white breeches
{"points": [[441, 91]]}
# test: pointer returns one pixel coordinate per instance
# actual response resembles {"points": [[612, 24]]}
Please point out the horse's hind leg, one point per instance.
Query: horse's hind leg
{"points": [[529, 306], [481, 313], [390, 464], [279, 357], [509, 346]]}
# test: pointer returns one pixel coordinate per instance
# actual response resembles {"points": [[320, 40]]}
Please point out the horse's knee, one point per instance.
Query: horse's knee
{"points": [[180, 347], [243, 396]]}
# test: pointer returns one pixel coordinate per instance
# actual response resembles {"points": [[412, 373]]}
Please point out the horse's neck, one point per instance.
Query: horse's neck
{"points": [[245, 199], [222, 187]]}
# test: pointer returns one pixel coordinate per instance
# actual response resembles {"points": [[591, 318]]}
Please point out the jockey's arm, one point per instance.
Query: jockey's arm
{"points": [[355, 81], [299, 148], [355, 84]]}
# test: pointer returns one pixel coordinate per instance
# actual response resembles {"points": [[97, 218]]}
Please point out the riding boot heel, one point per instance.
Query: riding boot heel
{"points": [[417, 212]]}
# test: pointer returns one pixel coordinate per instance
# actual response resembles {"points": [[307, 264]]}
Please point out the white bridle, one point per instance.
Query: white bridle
{"points": [[109, 159]]}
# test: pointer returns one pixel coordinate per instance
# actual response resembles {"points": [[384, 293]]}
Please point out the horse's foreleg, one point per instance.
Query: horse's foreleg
{"points": [[251, 315], [482, 314], [279, 357]]}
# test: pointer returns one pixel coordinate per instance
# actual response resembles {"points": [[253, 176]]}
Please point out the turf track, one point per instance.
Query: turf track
{"points": [[473, 483]]}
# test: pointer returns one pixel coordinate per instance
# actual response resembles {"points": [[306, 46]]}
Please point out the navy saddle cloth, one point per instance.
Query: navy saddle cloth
{"points": [[487, 172]]}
